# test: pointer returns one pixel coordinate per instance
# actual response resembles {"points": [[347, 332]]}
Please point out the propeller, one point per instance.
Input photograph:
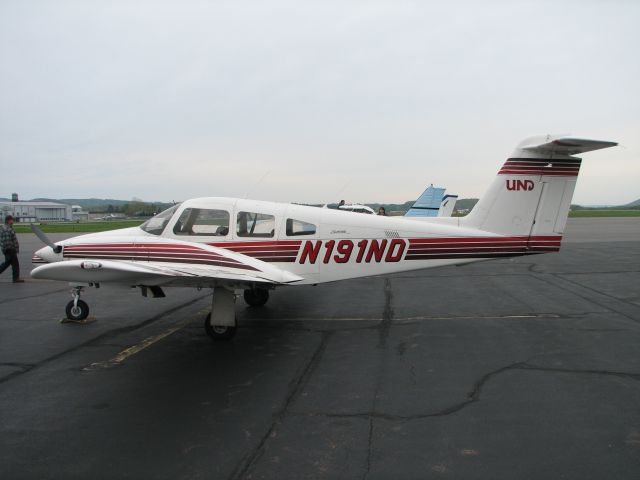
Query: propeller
{"points": [[41, 235]]}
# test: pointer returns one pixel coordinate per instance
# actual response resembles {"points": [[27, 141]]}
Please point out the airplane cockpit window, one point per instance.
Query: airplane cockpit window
{"points": [[202, 221], [155, 225], [255, 225], [298, 227]]}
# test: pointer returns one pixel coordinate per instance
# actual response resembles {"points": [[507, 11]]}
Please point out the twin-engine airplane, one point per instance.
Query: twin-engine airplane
{"points": [[230, 244]]}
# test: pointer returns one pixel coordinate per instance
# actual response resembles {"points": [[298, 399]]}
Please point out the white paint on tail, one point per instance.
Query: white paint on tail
{"points": [[532, 192]]}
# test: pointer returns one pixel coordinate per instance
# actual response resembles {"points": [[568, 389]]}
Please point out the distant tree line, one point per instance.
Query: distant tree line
{"points": [[134, 208]]}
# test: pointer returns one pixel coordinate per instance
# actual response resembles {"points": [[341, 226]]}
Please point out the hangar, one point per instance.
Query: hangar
{"points": [[37, 211]]}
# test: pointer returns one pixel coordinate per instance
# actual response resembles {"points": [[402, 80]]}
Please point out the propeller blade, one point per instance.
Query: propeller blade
{"points": [[41, 235]]}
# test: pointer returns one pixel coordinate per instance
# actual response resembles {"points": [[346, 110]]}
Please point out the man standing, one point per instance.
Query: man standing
{"points": [[10, 248]]}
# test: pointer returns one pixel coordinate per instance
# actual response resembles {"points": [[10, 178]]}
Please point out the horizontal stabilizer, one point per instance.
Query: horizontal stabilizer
{"points": [[564, 145]]}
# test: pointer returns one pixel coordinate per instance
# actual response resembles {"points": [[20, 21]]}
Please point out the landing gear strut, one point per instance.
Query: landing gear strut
{"points": [[256, 297], [77, 310], [221, 324]]}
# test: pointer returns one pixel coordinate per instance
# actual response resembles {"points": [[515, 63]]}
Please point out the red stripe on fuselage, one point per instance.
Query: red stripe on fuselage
{"points": [[217, 263], [153, 252]]}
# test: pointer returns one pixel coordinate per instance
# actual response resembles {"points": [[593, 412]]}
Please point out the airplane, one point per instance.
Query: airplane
{"points": [[230, 244], [432, 203], [111, 216], [351, 207]]}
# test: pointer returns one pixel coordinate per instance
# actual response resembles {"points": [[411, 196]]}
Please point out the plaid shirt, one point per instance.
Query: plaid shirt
{"points": [[8, 239]]}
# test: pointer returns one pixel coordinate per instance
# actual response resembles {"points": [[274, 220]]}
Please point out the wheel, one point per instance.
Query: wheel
{"points": [[218, 332], [79, 312], [256, 297]]}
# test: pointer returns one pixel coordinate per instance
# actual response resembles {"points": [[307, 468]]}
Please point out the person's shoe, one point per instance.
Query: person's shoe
{"points": [[18, 281]]}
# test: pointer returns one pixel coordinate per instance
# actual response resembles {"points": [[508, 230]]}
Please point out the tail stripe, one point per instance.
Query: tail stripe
{"points": [[531, 166]]}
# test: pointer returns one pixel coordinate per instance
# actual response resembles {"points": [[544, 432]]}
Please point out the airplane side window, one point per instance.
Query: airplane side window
{"points": [[298, 227], [251, 224], [202, 222]]}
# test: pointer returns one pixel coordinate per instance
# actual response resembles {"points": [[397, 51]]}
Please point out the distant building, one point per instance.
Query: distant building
{"points": [[37, 211], [78, 214]]}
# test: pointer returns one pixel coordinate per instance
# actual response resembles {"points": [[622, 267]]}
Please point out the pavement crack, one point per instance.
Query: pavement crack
{"points": [[369, 449], [24, 366], [612, 373], [295, 387], [383, 331], [472, 396], [387, 314], [590, 298], [26, 297], [533, 268], [578, 284]]}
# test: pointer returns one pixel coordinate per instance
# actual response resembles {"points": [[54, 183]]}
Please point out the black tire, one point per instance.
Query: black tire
{"points": [[218, 332], [256, 297], [77, 313]]}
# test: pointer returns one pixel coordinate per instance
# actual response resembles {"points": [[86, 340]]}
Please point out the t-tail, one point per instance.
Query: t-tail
{"points": [[532, 192]]}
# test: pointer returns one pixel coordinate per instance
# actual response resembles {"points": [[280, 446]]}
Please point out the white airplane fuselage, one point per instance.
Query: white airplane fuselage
{"points": [[344, 245]]}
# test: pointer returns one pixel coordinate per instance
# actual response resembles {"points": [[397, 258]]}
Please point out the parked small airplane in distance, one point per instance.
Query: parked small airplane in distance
{"points": [[229, 244], [433, 203], [351, 207]]}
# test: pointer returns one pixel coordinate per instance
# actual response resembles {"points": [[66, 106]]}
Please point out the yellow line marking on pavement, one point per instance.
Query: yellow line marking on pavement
{"points": [[143, 345]]}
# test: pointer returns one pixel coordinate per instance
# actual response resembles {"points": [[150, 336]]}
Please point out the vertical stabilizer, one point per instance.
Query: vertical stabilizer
{"points": [[427, 204], [532, 192], [447, 205]]}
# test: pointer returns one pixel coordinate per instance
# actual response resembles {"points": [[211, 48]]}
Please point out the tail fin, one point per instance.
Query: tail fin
{"points": [[432, 203], [427, 204], [447, 205], [532, 193]]}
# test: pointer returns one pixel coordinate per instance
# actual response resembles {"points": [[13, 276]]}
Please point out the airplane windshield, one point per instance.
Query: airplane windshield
{"points": [[155, 225]]}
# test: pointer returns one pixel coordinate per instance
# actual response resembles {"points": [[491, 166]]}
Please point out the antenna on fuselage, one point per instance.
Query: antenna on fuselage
{"points": [[257, 184], [344, 187]]}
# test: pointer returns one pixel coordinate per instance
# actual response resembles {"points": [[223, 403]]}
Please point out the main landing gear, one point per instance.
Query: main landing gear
{"points": [[221, 324], [77, 310], [256, 297]]}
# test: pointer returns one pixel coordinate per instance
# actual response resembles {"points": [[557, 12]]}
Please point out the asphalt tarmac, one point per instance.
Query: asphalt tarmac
{"points": [[526, 368]]}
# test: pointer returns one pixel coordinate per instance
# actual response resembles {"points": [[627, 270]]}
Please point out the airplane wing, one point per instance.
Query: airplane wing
{"points": [[160, 263]]}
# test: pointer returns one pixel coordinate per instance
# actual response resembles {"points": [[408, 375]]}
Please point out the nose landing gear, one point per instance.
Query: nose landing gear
{"points": [[77, 310]]}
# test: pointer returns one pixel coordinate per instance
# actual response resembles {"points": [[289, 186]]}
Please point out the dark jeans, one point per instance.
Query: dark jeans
{"points": [[11, 258]]}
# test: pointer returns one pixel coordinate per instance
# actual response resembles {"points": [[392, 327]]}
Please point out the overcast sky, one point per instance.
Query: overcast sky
{"points": [[310, 101]]}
